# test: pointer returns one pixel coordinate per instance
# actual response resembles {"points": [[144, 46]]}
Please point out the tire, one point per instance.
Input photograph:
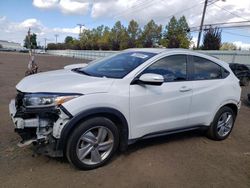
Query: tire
{"points": [[245, 81], [93, 143], [223, 123]]}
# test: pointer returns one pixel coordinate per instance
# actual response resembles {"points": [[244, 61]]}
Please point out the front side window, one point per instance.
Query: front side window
{"points": [[172, 68], [116, 66], [205, 69]]}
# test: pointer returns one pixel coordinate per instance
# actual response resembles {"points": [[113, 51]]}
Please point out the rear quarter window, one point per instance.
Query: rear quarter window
{"points": [[205, 69]]}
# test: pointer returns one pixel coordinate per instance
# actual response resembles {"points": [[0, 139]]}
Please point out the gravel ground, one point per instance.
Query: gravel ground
{"points": [[180, 160]]}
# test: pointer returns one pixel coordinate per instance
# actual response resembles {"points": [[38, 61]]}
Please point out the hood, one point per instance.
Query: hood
{"points": [[64, 81]]}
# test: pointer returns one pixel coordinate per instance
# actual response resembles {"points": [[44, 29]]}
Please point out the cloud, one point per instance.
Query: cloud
{"points": [[72, 7], [45, 4], [141, 10], [193, 42], [145, 10], [242, 45], [159, 10], [74, 30], [66, 6], [16, 31]]}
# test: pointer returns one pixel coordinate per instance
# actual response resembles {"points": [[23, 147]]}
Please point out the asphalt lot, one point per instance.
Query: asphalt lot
{"points": [[181, 160]]}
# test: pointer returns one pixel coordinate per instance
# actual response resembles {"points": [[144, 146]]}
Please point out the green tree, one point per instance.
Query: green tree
{"points": [[30, 42], [68, 40], [124, 41], [151, 34], [52, 46], [170, 34], [117, 32], [177, 34], [134, 32], [86, 39], [212, 39], [228, 46], [104, 40], [76, 45], [96, 35], [183, 33]]}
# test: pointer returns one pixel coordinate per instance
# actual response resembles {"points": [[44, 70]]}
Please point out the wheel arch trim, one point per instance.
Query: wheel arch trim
{"points": [[227, 103], [69, 127]]}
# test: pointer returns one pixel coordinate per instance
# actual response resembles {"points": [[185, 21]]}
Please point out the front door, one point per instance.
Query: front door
{"points": [[165, 107]]}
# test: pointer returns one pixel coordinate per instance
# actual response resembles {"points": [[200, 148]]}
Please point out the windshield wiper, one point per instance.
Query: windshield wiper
{"points": [[79, 70]]}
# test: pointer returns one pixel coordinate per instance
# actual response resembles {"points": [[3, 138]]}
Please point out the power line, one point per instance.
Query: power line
{"points": [[203, 17], [214, 2], [148, 3], [248, 36], [139, 8], [183, 10], [133, 8], [230, 12], [226, 24], [224, 27]]}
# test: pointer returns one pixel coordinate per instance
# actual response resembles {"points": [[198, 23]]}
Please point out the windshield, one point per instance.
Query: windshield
{"points": [[116, 66]]}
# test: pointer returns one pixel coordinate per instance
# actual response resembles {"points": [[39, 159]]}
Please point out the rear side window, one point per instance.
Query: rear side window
{"points": [[204, 69], [172, 68]]}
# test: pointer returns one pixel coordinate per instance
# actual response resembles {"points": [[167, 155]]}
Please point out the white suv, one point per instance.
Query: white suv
{"points": [[88, 112]]}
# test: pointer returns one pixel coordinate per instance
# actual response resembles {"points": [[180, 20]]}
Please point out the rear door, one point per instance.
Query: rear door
{"points": [[207, 79]]}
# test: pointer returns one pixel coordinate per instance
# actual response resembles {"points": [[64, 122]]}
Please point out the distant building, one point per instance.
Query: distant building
{"points": [[11, 45]]}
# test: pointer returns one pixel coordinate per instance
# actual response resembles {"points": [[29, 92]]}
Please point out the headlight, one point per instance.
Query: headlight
{"points": [[46, 100]]}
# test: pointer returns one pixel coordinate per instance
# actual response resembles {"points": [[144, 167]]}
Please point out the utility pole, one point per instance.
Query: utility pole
{"points": [[203, 17], [80, 26], [56, 35], [45, 40], [202, 21], [29, 38]]}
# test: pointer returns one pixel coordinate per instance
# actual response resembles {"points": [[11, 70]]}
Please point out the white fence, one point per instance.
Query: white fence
{"points": [[242, 57], [227, 56], [81, 54]]}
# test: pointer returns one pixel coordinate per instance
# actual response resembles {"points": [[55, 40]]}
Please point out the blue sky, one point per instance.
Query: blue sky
{"points": [[50, 17]]}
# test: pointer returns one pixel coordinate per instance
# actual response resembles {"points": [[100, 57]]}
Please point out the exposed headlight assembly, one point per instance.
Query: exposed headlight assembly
{"points": [[36, 100]]}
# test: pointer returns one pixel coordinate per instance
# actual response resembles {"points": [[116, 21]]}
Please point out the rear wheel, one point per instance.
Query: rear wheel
{"points": [[222, 124], [93, 143]]}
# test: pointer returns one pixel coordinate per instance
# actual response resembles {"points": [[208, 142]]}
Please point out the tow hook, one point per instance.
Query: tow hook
{"points": [[24, 143]]}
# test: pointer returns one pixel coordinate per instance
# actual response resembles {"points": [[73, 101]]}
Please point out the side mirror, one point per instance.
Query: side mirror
{"points": [[151, 79]]}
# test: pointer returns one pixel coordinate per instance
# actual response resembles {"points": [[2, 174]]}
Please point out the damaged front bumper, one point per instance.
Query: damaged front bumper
{"points": [[39, 126]]}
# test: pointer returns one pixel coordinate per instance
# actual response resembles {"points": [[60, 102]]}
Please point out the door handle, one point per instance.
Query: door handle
{"points": [[185, 89]]}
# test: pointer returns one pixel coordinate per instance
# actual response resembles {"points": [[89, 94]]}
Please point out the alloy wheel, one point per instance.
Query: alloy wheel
{"points": [[95, 145], [225, 124]]}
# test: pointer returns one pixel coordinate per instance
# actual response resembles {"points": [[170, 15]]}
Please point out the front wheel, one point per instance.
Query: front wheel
{"points": [[222, 124], [93, 143]]}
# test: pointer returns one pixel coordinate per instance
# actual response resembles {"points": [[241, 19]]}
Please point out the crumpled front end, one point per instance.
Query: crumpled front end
{"points": [[38, 126]]}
